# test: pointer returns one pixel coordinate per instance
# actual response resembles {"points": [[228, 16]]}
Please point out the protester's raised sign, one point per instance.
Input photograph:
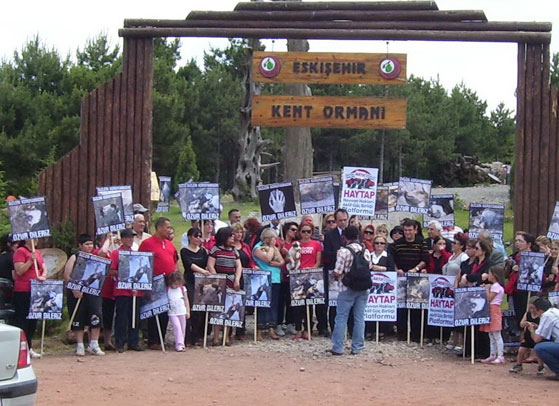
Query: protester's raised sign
{"points": [[323, 67], [135, 270], [258, 288], [45, 300], [88, 275], [155, 301], [277, 201], [441, 301], [329, 112], [28, 218], [382, 304]]}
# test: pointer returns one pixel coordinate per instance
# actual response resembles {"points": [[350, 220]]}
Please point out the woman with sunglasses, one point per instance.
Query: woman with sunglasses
{"points": [[285, 311], [480, 266], [367, 237], [452, 267], [194, 259], [311, 257]]}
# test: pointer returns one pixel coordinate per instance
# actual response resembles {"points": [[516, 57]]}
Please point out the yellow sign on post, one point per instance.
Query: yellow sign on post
{"points": [[325, 111], [323, 67]]}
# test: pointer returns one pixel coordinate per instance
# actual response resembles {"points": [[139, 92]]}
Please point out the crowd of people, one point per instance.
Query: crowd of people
{"points": [[340, 246]]}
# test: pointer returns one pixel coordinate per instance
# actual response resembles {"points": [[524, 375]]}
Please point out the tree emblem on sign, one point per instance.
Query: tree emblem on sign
{"points": [[389, 68], [269, 67]]}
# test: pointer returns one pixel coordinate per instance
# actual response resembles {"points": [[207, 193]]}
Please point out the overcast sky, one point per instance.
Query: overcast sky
{"points": [[489, 69]]}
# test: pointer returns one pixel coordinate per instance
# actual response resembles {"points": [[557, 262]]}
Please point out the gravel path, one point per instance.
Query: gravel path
{"points": [[493, 194]]}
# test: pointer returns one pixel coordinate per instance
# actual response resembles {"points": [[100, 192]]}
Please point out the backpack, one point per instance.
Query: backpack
{"points": [[359, 276]]}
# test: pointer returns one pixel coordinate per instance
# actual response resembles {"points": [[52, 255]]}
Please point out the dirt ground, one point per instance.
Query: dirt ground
{"points": [[285, 372]]}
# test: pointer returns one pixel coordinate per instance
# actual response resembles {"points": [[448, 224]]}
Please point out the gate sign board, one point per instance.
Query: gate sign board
{"points": [[325, 67], [329, 112]]}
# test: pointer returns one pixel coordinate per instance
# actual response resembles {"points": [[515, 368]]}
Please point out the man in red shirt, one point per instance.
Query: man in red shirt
{"points": [[165, 259]]}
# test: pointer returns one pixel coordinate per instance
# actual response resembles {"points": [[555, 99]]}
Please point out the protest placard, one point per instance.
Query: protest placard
{"points": [[307, 287], [417, 290], [471, 307], [28, 218], [316, 195], [334, 289], [530, 271], [209, 293], [512, 333], [46, 300], [234, 312], [164, 194], [127, 199], [109, 213], [359, 190], [554, 299], [88, 275], [154, 301], [381, 206], [392, 196], [401, 291], [258, 288], [199, 201], [135, 270], [413, 195], [488, 217], [277, 201], [441, 209], [382, 303], [553, 230], [441, 301]]}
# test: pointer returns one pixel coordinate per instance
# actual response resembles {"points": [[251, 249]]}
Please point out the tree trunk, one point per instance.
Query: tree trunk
{"points": [[298, 151]]}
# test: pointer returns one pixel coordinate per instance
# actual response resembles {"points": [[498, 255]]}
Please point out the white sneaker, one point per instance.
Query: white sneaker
{"points": [[80, 351], [279, 331], [291, 329], [33, 354], [449, 347], [94, 350]]}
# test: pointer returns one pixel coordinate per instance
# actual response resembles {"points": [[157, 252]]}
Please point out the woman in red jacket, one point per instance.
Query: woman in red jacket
{"points": [[439, 256]]}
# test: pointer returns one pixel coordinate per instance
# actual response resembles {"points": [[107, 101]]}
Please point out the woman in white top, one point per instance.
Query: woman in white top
{"points": [[452, 267]]}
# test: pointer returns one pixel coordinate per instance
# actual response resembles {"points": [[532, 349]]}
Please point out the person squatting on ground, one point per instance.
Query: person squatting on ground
{"points": [[179, 308], [546, 335]]}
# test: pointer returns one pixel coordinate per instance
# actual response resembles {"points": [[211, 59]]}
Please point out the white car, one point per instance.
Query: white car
{"points": [[18, 383]]}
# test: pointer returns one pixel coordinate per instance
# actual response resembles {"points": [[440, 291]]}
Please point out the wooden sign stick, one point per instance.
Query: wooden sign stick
{"points": [[206, 331], [421, 329], [34, 259], [134, 310], [473, 344], [308, 321], [409, 327], [464, 343], [377, 332], [224, 336], [42, 337], [255, 324], [74, 314], [160, 334], [441, 337]]}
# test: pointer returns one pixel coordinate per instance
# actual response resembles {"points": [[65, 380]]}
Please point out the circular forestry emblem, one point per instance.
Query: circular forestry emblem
{"points": [[270, 66], [389, 68]]}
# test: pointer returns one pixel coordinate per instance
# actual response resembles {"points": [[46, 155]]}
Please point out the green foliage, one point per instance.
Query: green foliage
{"points": [[186, 167], [63, 236], [555, 69]]}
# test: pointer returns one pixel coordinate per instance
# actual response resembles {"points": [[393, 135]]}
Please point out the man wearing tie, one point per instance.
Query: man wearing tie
{"points": [[332, 243]]}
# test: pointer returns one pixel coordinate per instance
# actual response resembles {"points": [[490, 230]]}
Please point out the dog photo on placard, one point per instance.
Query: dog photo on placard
{"points": [[27, 215]]}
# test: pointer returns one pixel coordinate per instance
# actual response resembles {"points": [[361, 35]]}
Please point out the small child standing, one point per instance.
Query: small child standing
{"points": [[495, 293], [178, 307]]}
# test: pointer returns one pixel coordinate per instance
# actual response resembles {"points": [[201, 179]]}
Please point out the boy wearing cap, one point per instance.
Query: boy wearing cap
{"points": [[123, 301]]}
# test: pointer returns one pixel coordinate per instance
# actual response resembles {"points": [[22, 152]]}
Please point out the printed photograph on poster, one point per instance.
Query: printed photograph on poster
{"points": [[277, 201], [359, 190], [109, 214], [46, 300], [382, 303], [511, 332], [413, 195], [441, 301], [164, 194], [381, 206], [336, 187], [554, 299], [553, 230], [471, 307], [28, 218], [209, 293], [88, 275], [154, 301], [530, 271], [441, 209], [127, 198], [307, 287], [417, 290], [334, 289], [258, 288], [234, 313], [199, 201], [401, 291], [488, 217], [316, 195], [135, 270]]}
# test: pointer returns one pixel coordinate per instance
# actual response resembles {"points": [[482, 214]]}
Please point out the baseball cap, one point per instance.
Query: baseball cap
{"points": [[138, 208]]}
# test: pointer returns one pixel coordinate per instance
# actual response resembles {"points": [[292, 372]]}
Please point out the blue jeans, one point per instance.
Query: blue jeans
{"points": [[268, 316], [548, 352], [347, 300]]}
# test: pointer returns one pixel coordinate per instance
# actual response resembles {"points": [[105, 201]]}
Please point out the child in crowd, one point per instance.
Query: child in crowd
{"points": [[178, 307], [495, 293], [526, 343]]}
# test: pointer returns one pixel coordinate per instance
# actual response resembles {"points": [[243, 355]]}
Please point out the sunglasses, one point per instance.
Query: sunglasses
{"points": [[293, 229], [331, 221], [368, 232], [197, 236], [306, 231], [380, 243]]}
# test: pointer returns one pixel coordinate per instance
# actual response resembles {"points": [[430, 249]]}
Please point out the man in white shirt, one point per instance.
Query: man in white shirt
{"points": [[138, 226], [548, 351]]}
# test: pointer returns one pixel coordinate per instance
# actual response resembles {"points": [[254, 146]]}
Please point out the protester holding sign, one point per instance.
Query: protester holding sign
{"points": [[268, 258], [290, 230], [165, 260], [194, 260], [28, 266], [551, 270], [495, 293], [245, 255]]}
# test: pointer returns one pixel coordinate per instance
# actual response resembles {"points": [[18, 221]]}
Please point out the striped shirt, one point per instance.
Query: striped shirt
{"points": [[225, 261], [344, 260], [408, 254]]}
